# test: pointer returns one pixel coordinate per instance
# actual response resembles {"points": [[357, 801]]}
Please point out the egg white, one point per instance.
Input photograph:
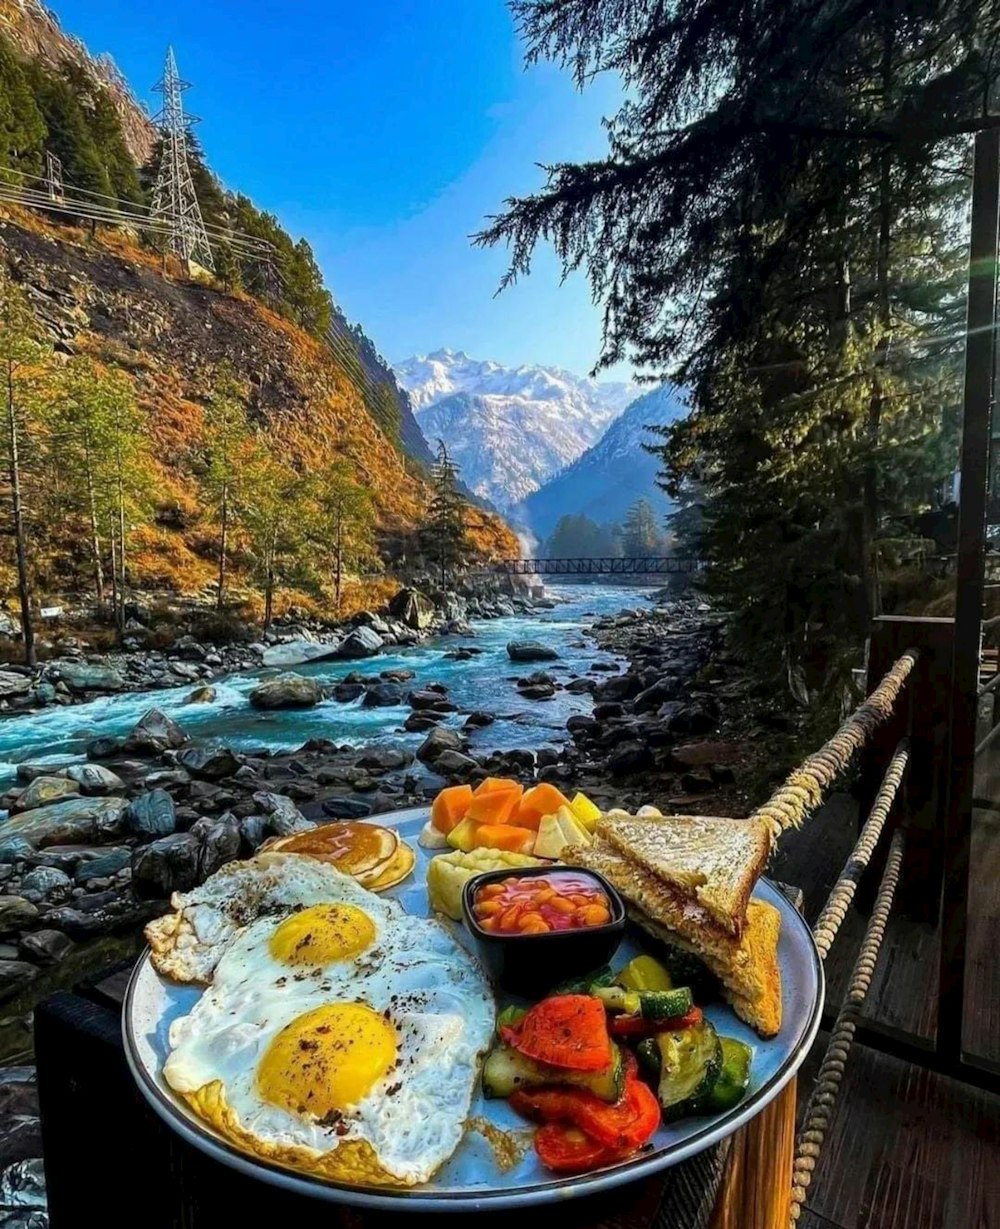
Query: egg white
{"points": [[414, 974]]}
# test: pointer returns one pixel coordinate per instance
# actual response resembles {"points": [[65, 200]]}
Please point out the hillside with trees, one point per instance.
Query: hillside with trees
{"points": [[779, 225]]}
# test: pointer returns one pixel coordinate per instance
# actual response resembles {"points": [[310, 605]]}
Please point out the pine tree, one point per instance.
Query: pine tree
{"points": [[69, 132], [640, 535], [444, 532], [778, 225], [22, 128], [225, 440], [273, 510], [23, 361]]}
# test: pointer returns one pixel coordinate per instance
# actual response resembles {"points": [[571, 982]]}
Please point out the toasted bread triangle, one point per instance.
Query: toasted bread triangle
{"points": [[713, 860]]}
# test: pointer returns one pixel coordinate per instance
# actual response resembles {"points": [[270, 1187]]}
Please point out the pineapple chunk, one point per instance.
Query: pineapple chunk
{"points": [[551, 840], [448, 873], [572, 829], [585, 811], [463, 835]]}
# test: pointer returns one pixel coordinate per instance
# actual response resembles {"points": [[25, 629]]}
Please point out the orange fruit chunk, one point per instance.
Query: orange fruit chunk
{"points": [[541, 799], [496, 807], [504, 836], [450, 807]]}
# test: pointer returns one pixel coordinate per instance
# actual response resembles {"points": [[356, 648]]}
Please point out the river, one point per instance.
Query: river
{"points": [[483, 682]]}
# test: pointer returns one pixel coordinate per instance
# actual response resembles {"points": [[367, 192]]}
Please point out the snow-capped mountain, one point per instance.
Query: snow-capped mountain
{"points": [[509, 429], [608, 478]]}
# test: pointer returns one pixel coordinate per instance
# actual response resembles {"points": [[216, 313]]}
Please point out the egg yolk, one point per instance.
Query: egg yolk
{"points": [[326, 1060], [322, 934]]}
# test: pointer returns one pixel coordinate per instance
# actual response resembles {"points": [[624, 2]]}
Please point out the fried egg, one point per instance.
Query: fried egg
{"points": [[339, 1035]]}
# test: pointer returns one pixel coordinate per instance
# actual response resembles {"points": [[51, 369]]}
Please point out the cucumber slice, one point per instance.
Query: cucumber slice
{"points": [[690, 1062], [506, 1070], [649, 1004], [734, 1076]]}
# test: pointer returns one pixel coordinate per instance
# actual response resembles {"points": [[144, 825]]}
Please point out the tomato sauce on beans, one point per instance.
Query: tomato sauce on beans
{"points": [[537, 904]]}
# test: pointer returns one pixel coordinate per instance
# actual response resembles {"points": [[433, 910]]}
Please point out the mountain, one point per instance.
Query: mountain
{"points": [[509, 429], [608, 478]]}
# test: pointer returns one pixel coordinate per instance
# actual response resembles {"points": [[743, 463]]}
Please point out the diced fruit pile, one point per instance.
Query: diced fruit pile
{"points": [[566, 1063], [501, 814]]}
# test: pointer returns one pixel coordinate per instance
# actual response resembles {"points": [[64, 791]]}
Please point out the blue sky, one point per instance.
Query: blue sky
{"points": [[384, 132]]}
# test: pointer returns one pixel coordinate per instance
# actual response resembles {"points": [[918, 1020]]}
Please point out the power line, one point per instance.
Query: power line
{"points": [[174, 197]]}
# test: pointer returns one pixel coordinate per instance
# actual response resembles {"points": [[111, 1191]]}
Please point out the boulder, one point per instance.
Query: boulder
{"points": [[362, 642], [530, 650], [253, 832], [424, 697], [628, 757], [283, 816], [287, 691], [537, 691], [14, 849], [219, 841], [383, 695], [104, 747], [368, 618], [94, 780], [201, 695], [13, 684], [397, 675], [151, 815], [81, 676], [384, 759], [208, 763], [704, 754], [346, 693], [70, 822], [438, 741], [621, 687], [411, 607], [48, 882], [104, 863], [155, 733], [346, 808], [168, 864], [27, 770], [416, 723], [298, 652], [454, 764], [479, 720], [14, 973], [15, 914], [649, 700], [46, 947], [43, 791]]}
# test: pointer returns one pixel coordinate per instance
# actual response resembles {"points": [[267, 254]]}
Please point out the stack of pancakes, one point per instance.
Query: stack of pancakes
{"points": [[688, 882]]}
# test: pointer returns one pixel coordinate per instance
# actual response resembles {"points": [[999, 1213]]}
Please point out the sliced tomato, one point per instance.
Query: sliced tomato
{"points": [[567, 1030], [634, 1026], [622, 1127], [569, 1150]]}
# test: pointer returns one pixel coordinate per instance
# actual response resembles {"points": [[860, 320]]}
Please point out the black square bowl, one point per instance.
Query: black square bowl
{"points": [[530, 965]]}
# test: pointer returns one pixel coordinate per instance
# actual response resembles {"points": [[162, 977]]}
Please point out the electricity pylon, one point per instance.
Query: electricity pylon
{"points": [[174, 198]]}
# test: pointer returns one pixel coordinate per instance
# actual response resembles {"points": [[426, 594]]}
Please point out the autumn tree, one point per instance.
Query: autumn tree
{"points": [[444, 529], [224, 441], [272, 502], [344, 521], [23, 360]]}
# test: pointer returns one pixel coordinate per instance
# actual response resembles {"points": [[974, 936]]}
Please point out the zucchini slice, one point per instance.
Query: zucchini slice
{"points": [[587, 984], [506, 1070], [647, 1004], [690, 1062], [734, 1076]]}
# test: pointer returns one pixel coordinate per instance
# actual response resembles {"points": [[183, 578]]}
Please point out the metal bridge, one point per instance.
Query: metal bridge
{"points": [[649, 565]]}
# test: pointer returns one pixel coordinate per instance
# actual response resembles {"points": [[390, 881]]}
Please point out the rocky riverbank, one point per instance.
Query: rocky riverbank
{"points": [[200, 649]]}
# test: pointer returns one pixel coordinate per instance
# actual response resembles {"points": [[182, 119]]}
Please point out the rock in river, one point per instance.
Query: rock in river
{"points": [[287, 691], [13, 684], [15, 914], [383, 695], [298, 652], [94, 780], [74, 821], [437, 742], [87, 676], [154, 732], [283, 816], [168, 864], [208, 763], [530, 650], [362, 642], [411, 607], [44, 790], [151, 815]]}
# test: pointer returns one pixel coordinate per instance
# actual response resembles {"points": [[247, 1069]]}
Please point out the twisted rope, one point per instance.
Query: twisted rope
{"points": [[839, 901], [803, 791], [821, 1104]]}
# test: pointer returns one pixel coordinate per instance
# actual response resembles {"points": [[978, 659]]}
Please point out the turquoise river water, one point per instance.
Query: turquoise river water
{"points": [[484, 682]]}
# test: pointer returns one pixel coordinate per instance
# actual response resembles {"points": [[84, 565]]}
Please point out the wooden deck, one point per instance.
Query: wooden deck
{"points": [[907, 1149]]}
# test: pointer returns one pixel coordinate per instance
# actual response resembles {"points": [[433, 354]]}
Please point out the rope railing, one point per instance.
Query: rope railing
{"points": [[822, 1102], [839, 901], [803, 790]]}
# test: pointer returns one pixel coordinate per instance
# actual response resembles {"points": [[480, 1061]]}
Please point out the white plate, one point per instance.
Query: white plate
{"points": [[471, 1179]]}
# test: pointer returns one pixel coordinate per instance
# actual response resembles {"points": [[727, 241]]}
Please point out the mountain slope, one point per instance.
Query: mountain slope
{"points": [[508, 428], [608, 478]]}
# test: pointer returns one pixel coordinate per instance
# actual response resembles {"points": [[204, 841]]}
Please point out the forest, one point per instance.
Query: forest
{"points": [[780, 225]]}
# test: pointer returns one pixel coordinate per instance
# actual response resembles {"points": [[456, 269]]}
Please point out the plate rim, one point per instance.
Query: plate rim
{"points": [[423, 1199]]}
